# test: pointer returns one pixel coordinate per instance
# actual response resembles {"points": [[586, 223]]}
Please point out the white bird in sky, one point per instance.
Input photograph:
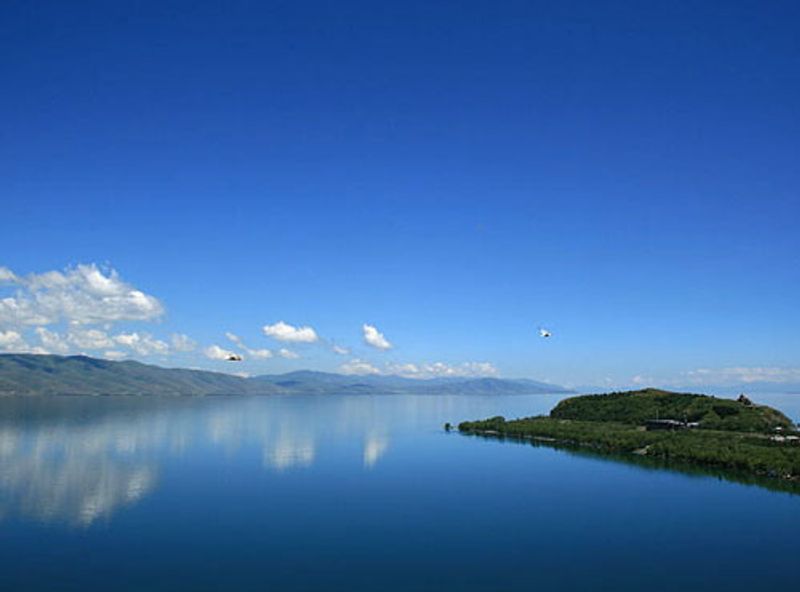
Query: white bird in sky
{"points": [[544, 332]]}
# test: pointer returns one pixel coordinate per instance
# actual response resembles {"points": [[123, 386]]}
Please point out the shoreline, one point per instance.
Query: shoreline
{"points": [[744, 454]]}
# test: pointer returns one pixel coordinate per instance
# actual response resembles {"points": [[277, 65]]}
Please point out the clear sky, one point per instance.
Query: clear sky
{"points": [[453, 174]]}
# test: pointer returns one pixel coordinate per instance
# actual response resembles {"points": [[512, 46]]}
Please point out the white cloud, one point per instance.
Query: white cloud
{"points": [[215, 352], [288, 354], [143, 344], [7, 276], [256, 353], [357, 366], [89, 338], [742, 374], [19, 311], [127, 338], [479, 369], [81, 295], [421, 371], [12, 340], [407, 369], [79, 338], [338, 349], [286, 332], [182, 343], [114, 354], [51, 341], [375, 338], [441, 369]]}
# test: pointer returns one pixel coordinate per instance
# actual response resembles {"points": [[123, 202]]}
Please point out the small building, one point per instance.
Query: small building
{"points": [[665, 424]]}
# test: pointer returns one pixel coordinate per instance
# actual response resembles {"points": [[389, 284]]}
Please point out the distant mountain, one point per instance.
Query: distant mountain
{"points": [[306, 381], [27, 374], [42, 375]]}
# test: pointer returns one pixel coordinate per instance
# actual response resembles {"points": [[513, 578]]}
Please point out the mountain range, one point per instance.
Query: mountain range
{"points": [[47, 375]]}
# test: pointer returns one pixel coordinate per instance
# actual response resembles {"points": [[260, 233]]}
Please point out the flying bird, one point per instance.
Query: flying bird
{"points": [[544, 332], [234, 358]]}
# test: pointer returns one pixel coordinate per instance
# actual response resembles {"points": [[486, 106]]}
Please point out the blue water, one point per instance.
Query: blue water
{"points": [[359, 493]]}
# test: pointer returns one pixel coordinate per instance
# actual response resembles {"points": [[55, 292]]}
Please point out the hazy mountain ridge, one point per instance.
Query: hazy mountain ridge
{"points": [[309, 381], [48, 375]]}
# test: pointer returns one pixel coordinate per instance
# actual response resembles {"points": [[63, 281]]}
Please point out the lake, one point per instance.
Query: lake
{"points": [[360, 493]]}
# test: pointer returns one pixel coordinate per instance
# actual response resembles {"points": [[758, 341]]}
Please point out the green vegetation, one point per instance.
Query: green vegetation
{"points": [[753, 439], [637, 407]]}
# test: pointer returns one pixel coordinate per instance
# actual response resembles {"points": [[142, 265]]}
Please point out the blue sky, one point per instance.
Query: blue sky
{"points": [[455, 174]]}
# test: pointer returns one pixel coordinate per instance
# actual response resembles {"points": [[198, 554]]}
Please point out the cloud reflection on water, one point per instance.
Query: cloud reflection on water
{"points": [[81, 460], [375, 446]]}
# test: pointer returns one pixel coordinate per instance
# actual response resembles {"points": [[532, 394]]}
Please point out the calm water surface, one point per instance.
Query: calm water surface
{"points": [[359, 493]]}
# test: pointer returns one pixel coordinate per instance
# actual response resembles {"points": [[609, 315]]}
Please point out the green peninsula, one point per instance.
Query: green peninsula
{"points": [[681, 427]]}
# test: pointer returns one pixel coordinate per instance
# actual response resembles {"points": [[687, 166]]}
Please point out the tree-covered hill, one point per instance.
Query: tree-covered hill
{"points": [[637, 407]]}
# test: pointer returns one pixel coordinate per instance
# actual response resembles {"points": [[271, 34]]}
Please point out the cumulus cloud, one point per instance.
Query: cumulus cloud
{"points": [[358, 366], [256, 353], [84, 294], [182, 343], [76, 299], [114, 354], [215, 352], [12, 340], [52, 342], [375, 338], [89, 338], [340, 350], [143, 344], [286, 332], [7, 276], [79, 338]]}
